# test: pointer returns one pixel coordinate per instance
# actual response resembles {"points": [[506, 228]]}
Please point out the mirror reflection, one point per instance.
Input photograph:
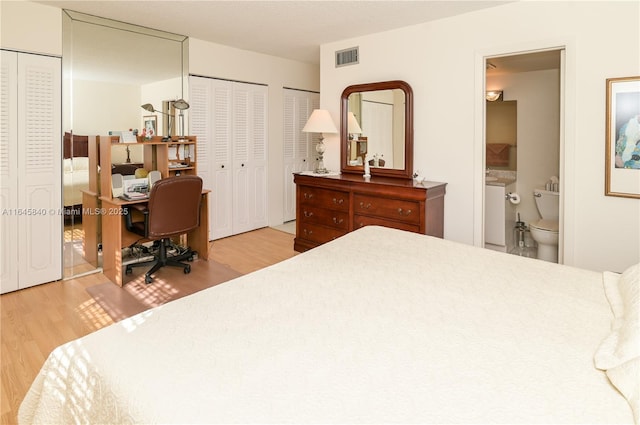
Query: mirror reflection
{"points": [[502, 135], [377, 128], [110, 68]]}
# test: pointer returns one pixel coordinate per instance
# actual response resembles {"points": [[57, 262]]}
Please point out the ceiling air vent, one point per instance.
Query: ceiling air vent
{"points": [[347, 57]]}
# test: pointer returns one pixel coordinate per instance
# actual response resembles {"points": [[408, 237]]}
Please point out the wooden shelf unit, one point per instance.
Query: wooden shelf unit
{"points": [[156, 156]]}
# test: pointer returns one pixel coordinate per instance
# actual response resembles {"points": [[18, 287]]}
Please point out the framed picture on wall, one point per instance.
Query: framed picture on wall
{"points": [[622, 174], [149, 126]]}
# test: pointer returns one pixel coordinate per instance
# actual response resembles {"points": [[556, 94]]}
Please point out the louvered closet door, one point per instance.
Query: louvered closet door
{"points": [[200, 126], [210, 121], [9, 171], [222, 164], [39, 169], [298, 106], [249, 157], [31, 170], [230, 119]]}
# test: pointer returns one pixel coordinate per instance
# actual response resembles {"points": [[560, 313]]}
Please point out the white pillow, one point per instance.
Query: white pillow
{"points": [[623, 344], [80, 163], [67, 165], [619, 353], [626, 378]]}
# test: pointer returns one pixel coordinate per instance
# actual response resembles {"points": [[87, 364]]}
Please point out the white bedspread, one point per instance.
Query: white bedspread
{"points": [[379, 326], [75, 179]]}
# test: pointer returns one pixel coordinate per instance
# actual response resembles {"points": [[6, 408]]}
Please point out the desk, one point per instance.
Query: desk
{"points": [[91, 226], [115, 235]]}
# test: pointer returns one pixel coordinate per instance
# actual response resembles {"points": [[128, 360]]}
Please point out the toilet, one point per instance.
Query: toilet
{"points": [[545, 230]]}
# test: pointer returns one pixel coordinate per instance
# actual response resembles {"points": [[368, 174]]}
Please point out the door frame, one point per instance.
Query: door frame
{"points": [[567, 138]]}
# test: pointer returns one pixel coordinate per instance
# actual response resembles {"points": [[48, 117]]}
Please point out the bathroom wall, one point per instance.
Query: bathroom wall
{"points": [[538, 131]]}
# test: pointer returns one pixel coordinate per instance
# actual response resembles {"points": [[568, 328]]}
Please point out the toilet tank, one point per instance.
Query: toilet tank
{"points": [[548, 203]]}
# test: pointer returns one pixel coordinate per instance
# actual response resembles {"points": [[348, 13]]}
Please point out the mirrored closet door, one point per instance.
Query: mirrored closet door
{"points": [[110, 69]]}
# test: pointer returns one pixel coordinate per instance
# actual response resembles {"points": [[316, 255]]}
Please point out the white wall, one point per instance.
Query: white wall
{"points": [[155, 94], [100, 107], [30, 27], [443, 62], [218, 61]]}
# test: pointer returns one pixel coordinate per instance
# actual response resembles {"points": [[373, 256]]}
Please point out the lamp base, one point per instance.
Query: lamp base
{"points": [[320, 169]]}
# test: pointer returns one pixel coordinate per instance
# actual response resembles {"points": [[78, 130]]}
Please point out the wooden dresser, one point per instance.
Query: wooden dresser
{"points": [[330, 206]]}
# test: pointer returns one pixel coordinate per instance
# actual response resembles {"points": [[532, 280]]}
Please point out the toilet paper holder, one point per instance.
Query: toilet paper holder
{"points": [[514, 198]]}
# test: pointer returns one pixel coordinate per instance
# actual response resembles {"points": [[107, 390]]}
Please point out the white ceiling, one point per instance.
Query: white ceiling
{"points": [[284, 28]]}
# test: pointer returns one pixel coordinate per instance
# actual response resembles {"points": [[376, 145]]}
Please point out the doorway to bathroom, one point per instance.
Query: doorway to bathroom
{"points": [[522, 147]]}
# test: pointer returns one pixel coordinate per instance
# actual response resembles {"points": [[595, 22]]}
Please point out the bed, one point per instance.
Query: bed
{"points": [[378, 326], [75, 180], [75, 170]]}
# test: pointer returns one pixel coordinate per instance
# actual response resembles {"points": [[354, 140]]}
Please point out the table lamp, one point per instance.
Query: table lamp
{"points": [[353, 128], [180, 105], [320, 122]]}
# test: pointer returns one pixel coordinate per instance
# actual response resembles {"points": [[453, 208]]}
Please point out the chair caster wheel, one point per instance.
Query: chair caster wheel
{"points": [[148, 279], [187, 270], [190, 258], [128, 270]]}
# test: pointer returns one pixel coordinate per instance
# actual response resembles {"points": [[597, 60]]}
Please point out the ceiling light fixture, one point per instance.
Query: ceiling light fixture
{"points": [[493, 95]]}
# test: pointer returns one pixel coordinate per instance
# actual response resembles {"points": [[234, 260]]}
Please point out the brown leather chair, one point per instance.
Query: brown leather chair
{"points": [[173, 209]]}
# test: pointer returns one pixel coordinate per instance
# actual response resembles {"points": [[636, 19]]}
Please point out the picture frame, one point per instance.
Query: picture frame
{"points": [[149, 122], [622, 155]]}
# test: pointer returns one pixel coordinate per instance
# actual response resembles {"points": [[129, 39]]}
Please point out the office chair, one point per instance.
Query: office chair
{"points": [[173, 209]]}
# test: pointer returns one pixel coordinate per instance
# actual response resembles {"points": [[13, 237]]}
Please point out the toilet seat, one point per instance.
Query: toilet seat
{"points": [[546, 225]]}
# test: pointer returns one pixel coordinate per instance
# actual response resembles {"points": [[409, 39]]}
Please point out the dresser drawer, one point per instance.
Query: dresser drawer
{"points": [[393, 209], [319, 234], [326, 198], [363, 220], [332, 218]]}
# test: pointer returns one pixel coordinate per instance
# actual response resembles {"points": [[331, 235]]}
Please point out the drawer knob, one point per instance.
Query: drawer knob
{"points": [[361, 224], [308, 195], [308, 214], [307, 232], [403, 212], [337, 220], [363, 206], [338, 201]]}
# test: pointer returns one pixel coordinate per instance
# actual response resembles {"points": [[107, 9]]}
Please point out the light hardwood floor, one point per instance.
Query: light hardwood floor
{"points": [[34, 321]]}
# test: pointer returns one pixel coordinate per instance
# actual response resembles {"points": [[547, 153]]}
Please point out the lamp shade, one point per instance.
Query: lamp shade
{"points": [[320, 122], [352, 124], [180, 104], [148, 107]]}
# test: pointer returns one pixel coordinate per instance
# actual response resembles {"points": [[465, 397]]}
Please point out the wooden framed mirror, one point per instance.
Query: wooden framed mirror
{"points": [[383, 135]]}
